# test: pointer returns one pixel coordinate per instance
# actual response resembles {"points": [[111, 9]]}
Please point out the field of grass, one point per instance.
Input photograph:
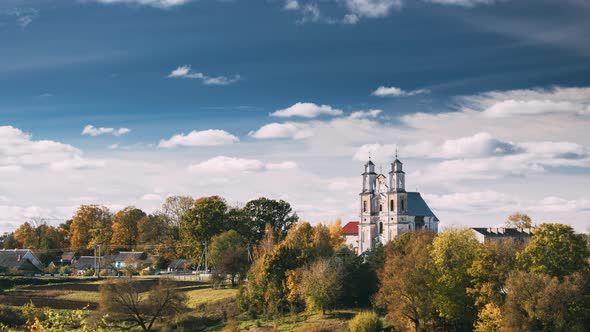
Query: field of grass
{"points": [[208, 309]]}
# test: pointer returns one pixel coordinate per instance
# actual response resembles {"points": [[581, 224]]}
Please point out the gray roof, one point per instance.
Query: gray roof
{"points": [[85, 262], [14, 259], [180, 263], [130, 256], [504, 231], [418, 207]]}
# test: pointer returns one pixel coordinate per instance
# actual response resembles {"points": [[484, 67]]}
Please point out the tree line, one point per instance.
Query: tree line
{"points": [[180, 228], [428, 282]]}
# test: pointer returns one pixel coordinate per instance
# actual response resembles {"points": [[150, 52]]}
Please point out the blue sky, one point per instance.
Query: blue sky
{"points": [[486, 100]]}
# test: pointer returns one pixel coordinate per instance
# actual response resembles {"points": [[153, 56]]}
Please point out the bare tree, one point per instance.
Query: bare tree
{"points": [[123, 300], [174, 207]]}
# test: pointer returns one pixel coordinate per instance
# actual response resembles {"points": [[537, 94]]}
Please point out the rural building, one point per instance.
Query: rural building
{"points": [[484, 235], [181, 264], [84, 263], [19, 261], [350, 232], [388, 210], [129, 258]]}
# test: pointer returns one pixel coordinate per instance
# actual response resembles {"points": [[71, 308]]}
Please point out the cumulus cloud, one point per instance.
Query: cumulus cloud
{"points": [[185, 72], [392, 91], [152, 3], [93, 131], [210, 137], [291, 5], [306, 110], [372, 8], [365, 114], [19, 150], [282, 130]]}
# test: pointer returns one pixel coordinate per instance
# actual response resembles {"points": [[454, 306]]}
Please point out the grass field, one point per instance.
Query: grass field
{"points": [[207, 309]]}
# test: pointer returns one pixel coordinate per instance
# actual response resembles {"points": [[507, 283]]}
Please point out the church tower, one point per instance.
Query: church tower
{"points": [[388, 210]]}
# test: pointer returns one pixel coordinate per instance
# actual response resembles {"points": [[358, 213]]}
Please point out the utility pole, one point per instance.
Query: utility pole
{"points": [[206, 254], [98, 273], [95, 267]]}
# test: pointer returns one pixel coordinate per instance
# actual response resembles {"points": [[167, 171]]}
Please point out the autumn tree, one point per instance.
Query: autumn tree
{"points": [[9, 242], [91, 225], [519, 220], [173, 208], [124, 300], [125, 231], [336, 233], [38, 235], [321, 285], [539, 302], [200, 223], [556, 250], [453, 253], [263, 211], [406, 292], [229, 255], [153, 231], [490, 269]]}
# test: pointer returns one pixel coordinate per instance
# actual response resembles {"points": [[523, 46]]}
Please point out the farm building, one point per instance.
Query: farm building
{"points": [[19, 261]]}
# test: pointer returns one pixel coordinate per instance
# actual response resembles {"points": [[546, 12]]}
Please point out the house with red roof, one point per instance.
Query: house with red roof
{"points": [[350, 232]]}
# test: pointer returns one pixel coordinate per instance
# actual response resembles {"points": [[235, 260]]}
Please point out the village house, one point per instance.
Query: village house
{"points": [[483, 235], [350, 232], [19, 261]]}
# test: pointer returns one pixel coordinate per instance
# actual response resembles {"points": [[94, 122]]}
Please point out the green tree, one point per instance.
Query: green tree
{"points": [[263, 211], [229, 255], [200, 223], [539, 302], [453, 252], [556, 250], [490, 269], [519, 220], [125, 231], [9, 242], [173, 208], [321, 285], [405, 289]]}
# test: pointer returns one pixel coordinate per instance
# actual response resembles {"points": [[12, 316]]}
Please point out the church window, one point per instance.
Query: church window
{"points": [[380, 228], [380, 207], [391, 205], [364, 206], [403, 207]]}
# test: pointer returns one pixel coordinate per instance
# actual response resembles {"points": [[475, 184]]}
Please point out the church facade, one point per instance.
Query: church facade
{"points": [[388, 210]]}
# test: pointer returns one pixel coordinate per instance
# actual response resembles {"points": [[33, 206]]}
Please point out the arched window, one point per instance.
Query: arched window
{"points": [[403, 207], [364, 206], [380, 207], [391, 205], [380, 228]]}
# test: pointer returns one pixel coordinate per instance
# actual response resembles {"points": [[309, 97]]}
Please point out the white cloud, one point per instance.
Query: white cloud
{"points": [[365, 114], [372, 8], [223, 164], [282, 130], [306, 110], [24, 16], [152, 197], [210, 137], [93, 131], [282, 166], [384, 91], [152, 3], [18, 150], [291, 5], [185, 72], [464, 3], [508, 108]]}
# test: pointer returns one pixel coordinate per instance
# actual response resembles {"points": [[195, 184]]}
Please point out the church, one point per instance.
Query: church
{"points": [[388, 210]]}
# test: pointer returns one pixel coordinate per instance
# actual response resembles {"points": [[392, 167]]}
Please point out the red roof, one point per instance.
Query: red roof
{"points": [[351, 228]]}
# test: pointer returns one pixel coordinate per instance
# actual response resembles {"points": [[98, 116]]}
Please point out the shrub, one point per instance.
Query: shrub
{"points": [[66, 269], [104, 273], [366, 321], [88, 272], [11, 316]]}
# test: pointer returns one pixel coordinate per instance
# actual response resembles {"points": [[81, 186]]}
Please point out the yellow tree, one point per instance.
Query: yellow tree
{"points": [[336, 233], [125, 222], [519, 220], [91, 225]]}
